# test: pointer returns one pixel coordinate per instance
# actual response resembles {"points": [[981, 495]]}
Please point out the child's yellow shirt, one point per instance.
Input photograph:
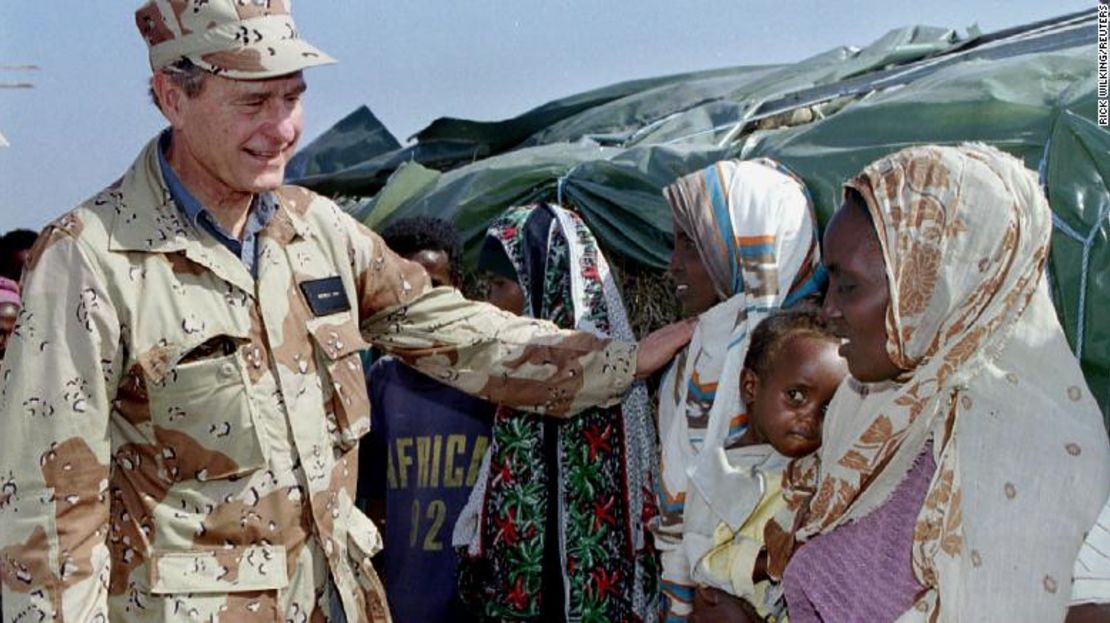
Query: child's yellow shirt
{"points": [[729, 562]]}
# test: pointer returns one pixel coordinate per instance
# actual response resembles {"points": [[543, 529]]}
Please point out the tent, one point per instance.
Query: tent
{"points": [[1029, 90]]}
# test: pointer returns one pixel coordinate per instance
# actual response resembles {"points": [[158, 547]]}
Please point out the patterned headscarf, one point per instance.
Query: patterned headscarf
{"points": [[605, 455], [1021, 452], [754, 227]]}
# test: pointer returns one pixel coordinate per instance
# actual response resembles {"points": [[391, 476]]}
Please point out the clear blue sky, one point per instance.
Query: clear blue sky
{"points": [[410, 61]]}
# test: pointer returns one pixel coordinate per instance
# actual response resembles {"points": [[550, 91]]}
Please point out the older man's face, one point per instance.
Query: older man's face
{"points": [[237, 135]]}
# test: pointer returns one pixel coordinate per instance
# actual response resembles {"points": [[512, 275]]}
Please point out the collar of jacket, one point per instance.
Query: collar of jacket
{"points": [[147, 220]]}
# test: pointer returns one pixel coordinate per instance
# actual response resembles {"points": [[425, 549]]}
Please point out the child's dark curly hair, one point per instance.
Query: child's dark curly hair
{"points": [[11, 243], [775, 330], [412, 235]]}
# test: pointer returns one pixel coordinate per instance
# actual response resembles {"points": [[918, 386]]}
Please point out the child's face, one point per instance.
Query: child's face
{"points": [[786, 409], [504, 293]]}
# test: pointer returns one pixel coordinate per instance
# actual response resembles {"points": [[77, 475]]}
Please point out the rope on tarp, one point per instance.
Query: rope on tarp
{"points": [[739, 127], [685, 137], [1087, 241], [645, 130], [561, 183]]}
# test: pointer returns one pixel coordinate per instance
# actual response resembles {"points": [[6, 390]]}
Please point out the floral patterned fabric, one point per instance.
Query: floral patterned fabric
{"points": [[1022, 460], [589, 476]]}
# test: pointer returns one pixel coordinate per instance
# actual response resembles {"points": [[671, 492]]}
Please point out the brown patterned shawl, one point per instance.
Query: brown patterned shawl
{"points": [[1022, 456]]}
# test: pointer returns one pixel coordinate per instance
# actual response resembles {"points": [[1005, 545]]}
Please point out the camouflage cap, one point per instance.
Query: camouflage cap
{"points": [[240, 39]]}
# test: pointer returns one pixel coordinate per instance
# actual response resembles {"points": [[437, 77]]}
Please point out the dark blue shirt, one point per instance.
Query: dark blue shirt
{"points": [[423, 457], [263, 208]]}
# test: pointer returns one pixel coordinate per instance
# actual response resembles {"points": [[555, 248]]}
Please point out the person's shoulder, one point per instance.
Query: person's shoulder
{"points": [[385, 368], [88, 224], [84, 229], [320, 213], [382, 363], [302, 201], [117, 205], [387, 379], [310, 206], [392, 374]]}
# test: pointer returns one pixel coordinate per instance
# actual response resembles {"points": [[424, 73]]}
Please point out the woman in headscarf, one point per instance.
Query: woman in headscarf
{"points": [[9, 310], [745, 244], [962, 466], [561, 531]]}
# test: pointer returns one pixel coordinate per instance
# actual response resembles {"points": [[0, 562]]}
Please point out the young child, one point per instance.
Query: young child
{"points": [[791, 371], [421, 459]]}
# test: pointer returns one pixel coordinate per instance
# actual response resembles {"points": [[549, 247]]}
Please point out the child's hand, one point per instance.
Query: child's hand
{"points": [[716, 606]]}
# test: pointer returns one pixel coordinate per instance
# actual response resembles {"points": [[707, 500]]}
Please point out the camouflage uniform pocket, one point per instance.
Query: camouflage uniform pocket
{"points": [[203, 409], [338, 347], [221, 570], [225, 584]]}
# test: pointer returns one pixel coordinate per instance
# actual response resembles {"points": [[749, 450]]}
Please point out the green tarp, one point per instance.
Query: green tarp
{"points": [[616, 190], [357, 137], [1029, 91], [1036, 107]]}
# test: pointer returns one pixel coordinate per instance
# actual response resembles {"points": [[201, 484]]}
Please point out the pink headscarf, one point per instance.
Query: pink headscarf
{"points": [[9, 292]]}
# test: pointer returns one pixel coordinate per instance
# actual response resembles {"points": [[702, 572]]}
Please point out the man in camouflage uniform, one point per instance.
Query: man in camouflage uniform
{"points": [[179, 438]]}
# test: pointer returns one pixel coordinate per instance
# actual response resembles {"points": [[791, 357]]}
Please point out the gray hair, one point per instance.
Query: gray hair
{"points": [[186, 75]]}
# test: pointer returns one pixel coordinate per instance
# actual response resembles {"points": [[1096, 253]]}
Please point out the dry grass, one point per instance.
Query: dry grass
{"points": [[648, 296]]}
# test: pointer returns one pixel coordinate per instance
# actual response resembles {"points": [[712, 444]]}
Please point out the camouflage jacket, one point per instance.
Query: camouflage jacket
{"points": [[178, 441]]}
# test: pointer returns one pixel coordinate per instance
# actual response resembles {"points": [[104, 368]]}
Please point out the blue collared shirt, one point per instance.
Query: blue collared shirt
{"points": [[262, 209]]}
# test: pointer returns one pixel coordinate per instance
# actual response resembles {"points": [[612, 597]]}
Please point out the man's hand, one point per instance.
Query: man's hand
{"points": [[715, 606], [659, 347]]}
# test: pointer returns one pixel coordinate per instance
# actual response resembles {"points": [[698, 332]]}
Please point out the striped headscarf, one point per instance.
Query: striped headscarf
{"points": [[754, 227]]}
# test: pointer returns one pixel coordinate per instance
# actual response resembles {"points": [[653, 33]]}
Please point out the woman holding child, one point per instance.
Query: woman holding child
{"points": [[964, 462], [745, 244]]}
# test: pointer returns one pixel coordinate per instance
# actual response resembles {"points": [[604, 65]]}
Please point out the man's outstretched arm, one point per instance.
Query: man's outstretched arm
{"points": [[521, 362]]}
